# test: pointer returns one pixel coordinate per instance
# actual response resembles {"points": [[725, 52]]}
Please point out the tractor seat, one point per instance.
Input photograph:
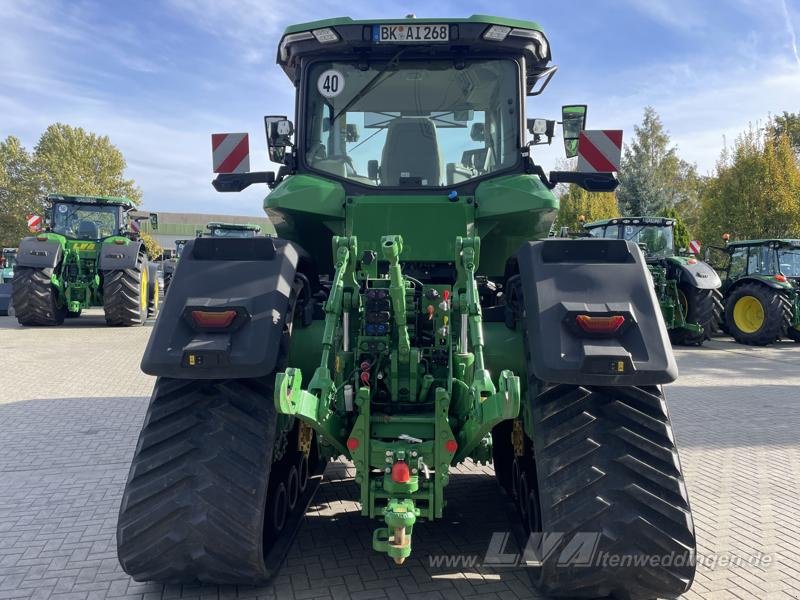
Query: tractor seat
{"points": [[88, 230], [411, 152]]}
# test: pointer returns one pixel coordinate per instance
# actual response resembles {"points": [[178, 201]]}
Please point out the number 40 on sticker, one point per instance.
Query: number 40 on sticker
{"points": [[330, 83]]}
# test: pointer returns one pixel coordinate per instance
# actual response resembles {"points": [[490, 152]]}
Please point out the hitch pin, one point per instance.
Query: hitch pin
{"points": [[407, 438]]}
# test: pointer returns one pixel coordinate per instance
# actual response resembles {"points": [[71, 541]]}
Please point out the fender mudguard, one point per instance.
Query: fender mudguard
{"points": [[114, 257], [252, 276], [562, 279], [38, 254], [699, 274], [767, 281]]}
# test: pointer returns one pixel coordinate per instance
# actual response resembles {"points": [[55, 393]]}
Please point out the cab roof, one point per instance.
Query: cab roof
{"points": [[766, 241], [346, 38], [657, 221], [114, 200], [237, 226]]}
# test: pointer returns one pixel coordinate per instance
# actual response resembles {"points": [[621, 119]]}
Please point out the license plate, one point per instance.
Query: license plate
{"points": [[408, 34]]}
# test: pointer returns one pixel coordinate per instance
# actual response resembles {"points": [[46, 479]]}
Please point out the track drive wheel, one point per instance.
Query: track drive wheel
{"points": [[602, 480], [125, 294], [35, 298], [757, 314]]}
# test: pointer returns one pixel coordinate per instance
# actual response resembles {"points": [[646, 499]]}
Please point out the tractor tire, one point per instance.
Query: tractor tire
{"points": [[701, 307], [757, 315], [793, 333], [125, 297], [152, 290], [35, 298], [603, 479], [202, 502]]}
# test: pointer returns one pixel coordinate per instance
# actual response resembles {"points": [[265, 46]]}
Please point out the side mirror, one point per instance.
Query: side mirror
{"points": [[154, 221], [351, 133], [279, 132], [539, 128], [372, 170], [478, 132], [573, 121]]}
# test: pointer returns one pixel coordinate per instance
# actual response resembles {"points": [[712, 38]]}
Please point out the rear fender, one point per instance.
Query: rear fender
{"points": [[39, 254], [698, 274], [254, 277], [115, 257], [763, 280], [600, 277]]}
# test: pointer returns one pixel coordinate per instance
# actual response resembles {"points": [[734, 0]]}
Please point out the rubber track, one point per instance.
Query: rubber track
{"points": [[606, 462], [703, 307], [34, 297], [193, 508], [121, 301], [777, 313]]}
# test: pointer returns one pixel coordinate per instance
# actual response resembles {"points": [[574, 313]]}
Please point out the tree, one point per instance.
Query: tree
{"points": [[756, 191], [151, 246], [789, 124], [70, 160], [66, 160], [681, 232], [19, 191], [577, 202], [652, 176]]}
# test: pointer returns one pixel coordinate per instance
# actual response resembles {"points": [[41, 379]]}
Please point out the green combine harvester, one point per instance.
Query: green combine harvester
{"points": [[407, 319], [687, 288], [7, 261], [761, 286], [88, 255]]}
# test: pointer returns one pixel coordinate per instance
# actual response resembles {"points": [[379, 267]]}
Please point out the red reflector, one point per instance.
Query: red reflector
{"points": [[352, 444], [213, 319], [400, 472], [600, 324], [119, 242], [781, 278], [451, 446], [692, 261]]}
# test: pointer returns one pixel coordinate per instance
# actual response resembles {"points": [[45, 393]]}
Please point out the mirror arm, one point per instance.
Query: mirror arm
{"points": [[236, 182]]}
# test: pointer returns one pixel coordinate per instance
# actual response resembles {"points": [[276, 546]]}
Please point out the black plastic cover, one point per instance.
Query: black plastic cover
{"points": [[115, 257], [38, 254], [5, 298], [253, 276], [699, 275], [599, 277]]}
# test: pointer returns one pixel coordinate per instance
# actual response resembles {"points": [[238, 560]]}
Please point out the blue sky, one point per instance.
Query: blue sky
{"points": [[159, 77]]}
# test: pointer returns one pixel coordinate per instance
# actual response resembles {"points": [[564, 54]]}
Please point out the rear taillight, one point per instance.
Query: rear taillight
{"points": [[602, 325], [213, 319]]}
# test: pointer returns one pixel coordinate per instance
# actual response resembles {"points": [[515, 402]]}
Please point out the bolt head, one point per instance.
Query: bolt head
{"points": [[389, 459], [414, 471], [413, 453], [388, 470], [388, 453]]}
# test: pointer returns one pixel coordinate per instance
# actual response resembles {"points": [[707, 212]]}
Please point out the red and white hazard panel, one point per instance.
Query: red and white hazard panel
{"points": [[230, 152], [694, 246], [34, 222], [599, 151]]}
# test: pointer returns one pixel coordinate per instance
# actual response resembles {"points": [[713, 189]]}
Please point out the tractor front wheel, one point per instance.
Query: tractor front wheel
{"points": [[35, 298], [698, 306], [125, 295], [756, 314]]}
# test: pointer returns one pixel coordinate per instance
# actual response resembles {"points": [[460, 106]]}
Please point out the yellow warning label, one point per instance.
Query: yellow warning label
{"points": [[192, 360], [619, 366], [84, 246]]}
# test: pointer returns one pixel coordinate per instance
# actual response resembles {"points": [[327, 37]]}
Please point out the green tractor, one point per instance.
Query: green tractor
{"points": [[88, 255], [761, 286], [407, 319], [7, 261], [687, 288]]}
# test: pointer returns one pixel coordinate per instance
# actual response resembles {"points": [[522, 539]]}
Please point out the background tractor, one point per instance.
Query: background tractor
{"points": [[687, 288], [88, 255], [761, 286], [407, 319], [230, 230], [7, 261]]}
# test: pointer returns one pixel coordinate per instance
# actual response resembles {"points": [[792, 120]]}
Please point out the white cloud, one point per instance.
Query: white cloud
{"points": [[790, 29]]}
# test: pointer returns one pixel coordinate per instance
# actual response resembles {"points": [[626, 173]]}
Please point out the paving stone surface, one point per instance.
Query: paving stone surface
{"points": [[72, 400]]}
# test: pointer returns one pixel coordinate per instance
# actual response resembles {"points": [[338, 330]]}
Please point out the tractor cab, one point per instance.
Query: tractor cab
{"points": [[654, 235], [88, 218], [773, 260], [7, 261]]}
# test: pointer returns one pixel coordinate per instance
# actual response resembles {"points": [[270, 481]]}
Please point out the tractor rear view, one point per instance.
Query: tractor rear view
{"points": [[8, 259], [762, 291], [407, 318], [687, 288], [88, 255]]}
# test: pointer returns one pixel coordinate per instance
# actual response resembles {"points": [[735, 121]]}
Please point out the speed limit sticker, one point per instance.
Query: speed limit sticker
{"points": [[330, 83]]}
